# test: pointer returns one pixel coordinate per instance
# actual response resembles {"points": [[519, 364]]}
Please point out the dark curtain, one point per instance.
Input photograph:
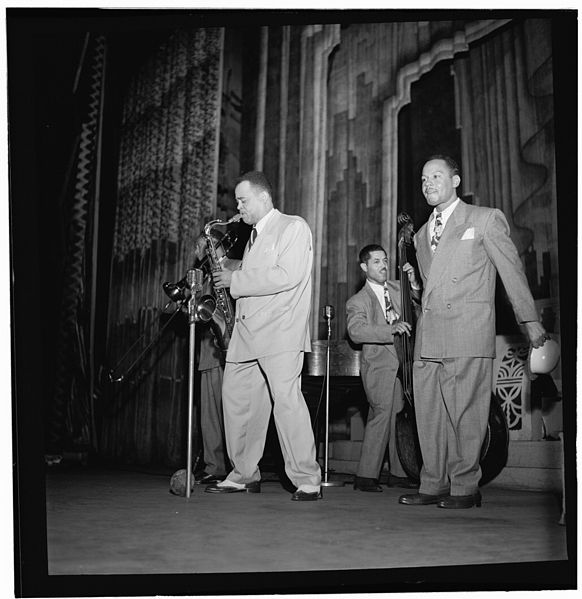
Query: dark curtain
{"points": [[167, 186]]}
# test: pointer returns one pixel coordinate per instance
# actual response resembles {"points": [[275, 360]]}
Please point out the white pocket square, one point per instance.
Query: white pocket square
{"points": [[469, 233]]}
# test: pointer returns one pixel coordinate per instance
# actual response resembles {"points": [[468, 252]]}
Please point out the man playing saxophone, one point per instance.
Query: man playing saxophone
{"points": [[270, 336]]}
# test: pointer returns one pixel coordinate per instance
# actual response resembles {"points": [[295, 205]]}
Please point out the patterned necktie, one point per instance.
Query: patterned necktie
{"points": [[252, 237], [437, 232], [391, 314]]}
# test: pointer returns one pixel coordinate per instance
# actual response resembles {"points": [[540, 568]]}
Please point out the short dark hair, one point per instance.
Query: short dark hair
{"points": [[365, 252], [257, 179], [450, 162]]}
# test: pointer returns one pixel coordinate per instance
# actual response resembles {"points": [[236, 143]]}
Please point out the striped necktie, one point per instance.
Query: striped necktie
{"points": [[437, 232], [391, 314]]}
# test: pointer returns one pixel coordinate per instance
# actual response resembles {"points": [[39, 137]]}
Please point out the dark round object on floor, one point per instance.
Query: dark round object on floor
{"points": [[178, 483]]}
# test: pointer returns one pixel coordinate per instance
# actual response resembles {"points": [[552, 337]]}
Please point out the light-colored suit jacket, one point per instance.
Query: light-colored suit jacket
{"points": [[458, 301], [273, 292], [366, 323]]}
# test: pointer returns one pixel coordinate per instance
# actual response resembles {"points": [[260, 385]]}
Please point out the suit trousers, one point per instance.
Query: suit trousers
{"points": [[380, 432], [250, 389], [212, 421], [452, 399]]}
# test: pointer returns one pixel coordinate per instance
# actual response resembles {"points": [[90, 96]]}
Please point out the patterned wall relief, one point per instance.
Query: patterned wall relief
{"points": [[513, 395]]}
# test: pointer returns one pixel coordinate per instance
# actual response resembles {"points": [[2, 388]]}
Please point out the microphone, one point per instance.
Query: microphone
{"points": [[175, 291], [195, 279], [328, 312]]}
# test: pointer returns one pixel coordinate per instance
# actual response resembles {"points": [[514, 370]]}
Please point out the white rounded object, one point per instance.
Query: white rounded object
{"points": [[544, 359]]}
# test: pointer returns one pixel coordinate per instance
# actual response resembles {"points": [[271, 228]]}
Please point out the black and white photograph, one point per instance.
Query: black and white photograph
{"points": [[324, 257]]}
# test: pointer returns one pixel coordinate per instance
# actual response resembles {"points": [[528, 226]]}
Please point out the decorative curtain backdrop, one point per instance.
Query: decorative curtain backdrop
{"points": [[505, 111], [506, 116], [167, 187]]}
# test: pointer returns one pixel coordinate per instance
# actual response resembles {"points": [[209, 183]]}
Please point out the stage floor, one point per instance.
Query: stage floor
{"points": [[121, 521]]}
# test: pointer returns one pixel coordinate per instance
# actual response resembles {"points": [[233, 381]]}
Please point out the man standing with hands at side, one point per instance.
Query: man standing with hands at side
{"points": [[459, 250], [265, 354], [373, 319]]}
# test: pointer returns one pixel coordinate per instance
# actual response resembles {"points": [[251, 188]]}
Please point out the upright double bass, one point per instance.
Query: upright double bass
{"points": [[407, 443], [496, 442]]}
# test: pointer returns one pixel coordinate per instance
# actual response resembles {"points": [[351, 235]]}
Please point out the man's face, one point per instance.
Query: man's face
{"points": [[251, 202], [438, 186], [376, 267]]}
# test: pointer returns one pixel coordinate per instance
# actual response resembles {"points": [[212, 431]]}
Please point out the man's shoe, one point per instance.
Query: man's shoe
{"points": [[459, 502], [362, 483], [203, 478], [254, 487], [402, 482], [305, 496], [420, 499]]}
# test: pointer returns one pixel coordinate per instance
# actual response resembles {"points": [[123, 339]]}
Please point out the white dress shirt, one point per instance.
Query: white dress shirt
{"points": [[381, 292], [444, 217]]}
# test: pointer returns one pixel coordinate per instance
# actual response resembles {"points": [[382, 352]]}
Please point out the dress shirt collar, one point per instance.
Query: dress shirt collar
{"points": [[263, 222], [378, 291], [444, 214]]}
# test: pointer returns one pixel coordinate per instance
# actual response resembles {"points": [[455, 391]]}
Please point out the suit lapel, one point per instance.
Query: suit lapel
{"points": [[375, 303], [394, 291], [447, 246], [266, 233], [423, 252]]}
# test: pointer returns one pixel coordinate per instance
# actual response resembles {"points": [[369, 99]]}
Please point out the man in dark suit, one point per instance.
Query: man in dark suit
{"points": [[373, 318], [459, 250]]}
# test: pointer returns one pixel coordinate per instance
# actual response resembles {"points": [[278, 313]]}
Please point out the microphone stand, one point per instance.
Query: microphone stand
{"points": [[329, 314], [194, 278]]}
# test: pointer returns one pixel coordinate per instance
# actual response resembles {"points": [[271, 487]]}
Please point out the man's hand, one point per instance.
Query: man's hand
{"points": [[536, 333], [222, 278], [400, 328], [409, 270], [200, 248]]}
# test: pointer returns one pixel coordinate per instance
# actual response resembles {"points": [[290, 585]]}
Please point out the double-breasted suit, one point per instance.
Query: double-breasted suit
{"points": [[265, 354], [455, 341], [366, 324]]}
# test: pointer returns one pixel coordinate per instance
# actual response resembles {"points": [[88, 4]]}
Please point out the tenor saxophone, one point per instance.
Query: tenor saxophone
{"points": [[223, 299]]}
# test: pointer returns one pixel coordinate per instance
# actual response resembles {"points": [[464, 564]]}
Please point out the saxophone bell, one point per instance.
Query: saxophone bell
{"points": [[205, 309]]}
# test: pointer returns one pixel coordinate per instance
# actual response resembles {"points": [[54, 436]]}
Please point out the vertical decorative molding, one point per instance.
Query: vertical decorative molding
{"points": [[261, 100], [443, 50], [284, 81], [317, 43]]}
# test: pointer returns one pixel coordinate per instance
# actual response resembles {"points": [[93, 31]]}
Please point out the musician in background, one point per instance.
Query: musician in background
{"points": [[459, 251], [373, 319], [211, 367], [265, 354]]}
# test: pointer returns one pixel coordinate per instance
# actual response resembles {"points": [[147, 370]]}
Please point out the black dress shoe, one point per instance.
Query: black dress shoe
{"points": [[362, 483], [459, 502], [402, 482], [420, 499], [203, 478], [304, 496], [254, 487]]}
